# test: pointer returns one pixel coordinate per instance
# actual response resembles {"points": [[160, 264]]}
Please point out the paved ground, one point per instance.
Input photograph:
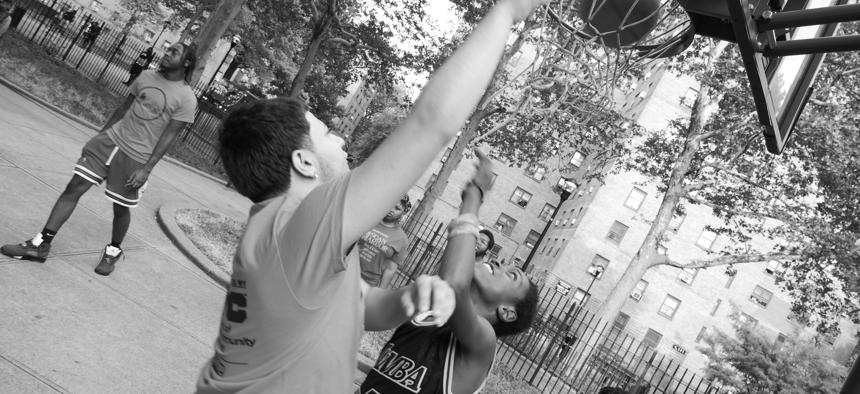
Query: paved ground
{"points": [[149, 326]]}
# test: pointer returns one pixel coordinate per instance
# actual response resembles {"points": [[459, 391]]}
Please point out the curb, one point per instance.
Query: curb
{"points": [[59, 111], [166, 215]]}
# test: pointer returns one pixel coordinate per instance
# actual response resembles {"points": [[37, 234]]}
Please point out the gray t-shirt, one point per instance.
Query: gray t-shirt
{"points": [[156, 101]]}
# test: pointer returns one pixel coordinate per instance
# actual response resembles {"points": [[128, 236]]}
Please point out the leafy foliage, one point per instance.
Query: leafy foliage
{"points": [[750, 363]]}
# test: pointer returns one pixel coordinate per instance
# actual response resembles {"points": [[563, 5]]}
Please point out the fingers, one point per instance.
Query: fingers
{"points": [[431, 301]]}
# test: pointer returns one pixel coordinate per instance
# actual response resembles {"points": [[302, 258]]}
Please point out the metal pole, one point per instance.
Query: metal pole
{"points": [[812, 16], [813, 46], [852, 383], [220, 64], [564, 196]]}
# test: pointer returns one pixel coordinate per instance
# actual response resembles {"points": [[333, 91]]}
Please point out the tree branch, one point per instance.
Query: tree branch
{"points": [[725, 260]]}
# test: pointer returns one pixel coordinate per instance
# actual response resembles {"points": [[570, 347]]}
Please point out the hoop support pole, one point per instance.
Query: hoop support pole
{"points": [[812, 46], [812, 16]]}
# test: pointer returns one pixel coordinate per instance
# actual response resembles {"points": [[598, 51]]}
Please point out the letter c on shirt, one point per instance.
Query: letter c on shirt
{"points": [[236, 302]]}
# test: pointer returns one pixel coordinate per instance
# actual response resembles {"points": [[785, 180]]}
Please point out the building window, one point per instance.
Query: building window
{"points": [[690, 97], [546, 213], [505, 224], [559, 248], [773, 268], [566, 185], [780, 339], [536, 172], [635, 199], [748, 320], [616, 232], [96, 5], [576, 159], [580, 296], [706, 239], [531, 239], [639, 290], [564, 218], [669, 307], [652, 339], [521, 197], [730, 280], [562, 287], [716, 307], [677, 220], [598, 261], [687, 275], [446, 155], [621, 321], [701, 335], [761, 296]]}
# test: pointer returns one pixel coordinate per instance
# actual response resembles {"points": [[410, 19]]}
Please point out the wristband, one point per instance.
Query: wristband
{"points": [[463, 229]]}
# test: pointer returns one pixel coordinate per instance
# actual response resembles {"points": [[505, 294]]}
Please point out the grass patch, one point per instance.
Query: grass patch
{"points": [[216, 235], [32, 68]]}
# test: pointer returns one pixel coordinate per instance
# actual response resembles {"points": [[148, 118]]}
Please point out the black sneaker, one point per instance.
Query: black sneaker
{"points": [[107, 261], [27, 251]]}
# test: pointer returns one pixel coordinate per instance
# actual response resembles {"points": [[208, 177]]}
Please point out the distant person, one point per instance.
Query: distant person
{"points": [[484, 244], [141, 63], [492, 302], [123, 154], [296, 305], [383, 248], [5, 16]]}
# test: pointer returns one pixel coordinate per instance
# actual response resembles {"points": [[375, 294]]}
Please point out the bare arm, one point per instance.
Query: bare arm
{"points": [[118, 113], [473, 332], [388, 274], [386, 309], [139, 177], [441, 110]]}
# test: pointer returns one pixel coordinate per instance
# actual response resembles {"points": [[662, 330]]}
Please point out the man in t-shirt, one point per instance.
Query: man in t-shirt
{"points": [[123, 154], [383, 248], [491, 302], [296, 305]]}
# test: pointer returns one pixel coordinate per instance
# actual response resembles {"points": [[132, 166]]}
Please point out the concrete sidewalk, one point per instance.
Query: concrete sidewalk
{"points": [[147, 328]]}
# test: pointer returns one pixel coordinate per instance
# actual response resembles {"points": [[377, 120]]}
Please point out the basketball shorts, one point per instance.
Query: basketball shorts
{"points": [[101, 160]]}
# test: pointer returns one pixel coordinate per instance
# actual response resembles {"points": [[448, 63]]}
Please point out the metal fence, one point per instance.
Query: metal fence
{"points": [[104, 53], [568, 349]]}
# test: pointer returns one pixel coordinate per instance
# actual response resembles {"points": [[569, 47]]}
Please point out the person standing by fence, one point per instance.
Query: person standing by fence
{"points": [[140, 64], [5, 16], [123, 154], [383, 248]]}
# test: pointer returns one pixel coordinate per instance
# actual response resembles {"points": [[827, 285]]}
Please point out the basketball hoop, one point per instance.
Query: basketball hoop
{"points": [[608, 40]]}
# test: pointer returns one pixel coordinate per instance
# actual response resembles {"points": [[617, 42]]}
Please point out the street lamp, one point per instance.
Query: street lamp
{"points": [[233, 43], [566, 188]]}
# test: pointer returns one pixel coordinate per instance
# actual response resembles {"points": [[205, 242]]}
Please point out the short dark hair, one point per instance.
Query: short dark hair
{"points": [[189, 54], [406, 202], [257, 141], [491, 241], [526, 310]]}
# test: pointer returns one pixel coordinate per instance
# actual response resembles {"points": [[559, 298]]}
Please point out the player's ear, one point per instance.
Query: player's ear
{"points": [[304, 162], [506, 313]]}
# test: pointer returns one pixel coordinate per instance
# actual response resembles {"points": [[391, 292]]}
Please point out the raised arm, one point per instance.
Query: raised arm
{"points": [[474, 333], [446, 101]]}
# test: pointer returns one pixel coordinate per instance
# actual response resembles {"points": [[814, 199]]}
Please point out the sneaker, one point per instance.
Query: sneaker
{"points": [[109, 258], [27, 251]]}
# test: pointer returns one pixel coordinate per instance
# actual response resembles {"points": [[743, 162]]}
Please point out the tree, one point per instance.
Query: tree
{"points": [[796, 201], [140, 9], [747, 362], [212, 31], [384, 113]]}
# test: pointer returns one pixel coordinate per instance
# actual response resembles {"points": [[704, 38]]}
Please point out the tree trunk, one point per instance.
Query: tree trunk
{"points": [[211, 32], [321, 27], [186, 31], [454, 158], [645, 257]]}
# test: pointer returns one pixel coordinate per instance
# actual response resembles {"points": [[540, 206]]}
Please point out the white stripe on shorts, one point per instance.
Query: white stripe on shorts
{"points": [[112, 154], [87, 174]]}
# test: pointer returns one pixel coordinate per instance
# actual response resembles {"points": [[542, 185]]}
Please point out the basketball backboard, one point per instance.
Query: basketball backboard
{"points": [[781, 84]]}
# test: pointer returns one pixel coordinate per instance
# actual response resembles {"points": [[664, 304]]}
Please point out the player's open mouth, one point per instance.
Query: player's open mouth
{"points": [[489, 267]]}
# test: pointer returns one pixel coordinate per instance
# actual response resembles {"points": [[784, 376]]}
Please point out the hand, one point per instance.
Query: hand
{"points": [[137, 178], [389, 251], [521, 9], [429, 294], [484, 172]]}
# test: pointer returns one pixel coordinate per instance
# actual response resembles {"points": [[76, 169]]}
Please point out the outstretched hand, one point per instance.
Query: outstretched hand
{"points": [[429, 301], [137, 178], [484, 171]]}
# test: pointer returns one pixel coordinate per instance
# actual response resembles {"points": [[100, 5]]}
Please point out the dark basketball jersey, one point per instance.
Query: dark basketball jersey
{"points": [[415, 360]]}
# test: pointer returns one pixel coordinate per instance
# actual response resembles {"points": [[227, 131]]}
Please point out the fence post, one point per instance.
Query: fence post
{"points": [[112, 56], [75, 40]]}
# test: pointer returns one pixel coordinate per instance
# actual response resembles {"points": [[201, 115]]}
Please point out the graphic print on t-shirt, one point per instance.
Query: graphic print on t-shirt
{"points": [[150, 103]]}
